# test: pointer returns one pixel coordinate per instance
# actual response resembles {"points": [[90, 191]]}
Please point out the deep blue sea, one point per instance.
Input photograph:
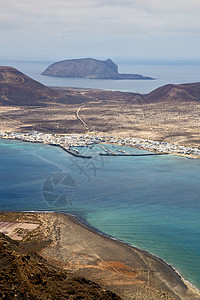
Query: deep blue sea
{"points": [[152, 202]]}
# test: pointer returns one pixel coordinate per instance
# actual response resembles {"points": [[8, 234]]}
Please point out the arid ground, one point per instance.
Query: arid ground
{"points": [[176, 122], [67, 244], [169, 113]]}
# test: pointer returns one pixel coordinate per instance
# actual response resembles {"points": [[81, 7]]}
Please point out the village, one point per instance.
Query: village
{"points": [[73, 140]]}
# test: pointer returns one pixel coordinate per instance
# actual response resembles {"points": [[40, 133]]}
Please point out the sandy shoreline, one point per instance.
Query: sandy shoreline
{"points": [[115, 265], [75, 218]]}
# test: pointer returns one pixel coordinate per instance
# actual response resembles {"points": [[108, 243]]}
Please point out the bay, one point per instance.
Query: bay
{"points": [[151, 202]]}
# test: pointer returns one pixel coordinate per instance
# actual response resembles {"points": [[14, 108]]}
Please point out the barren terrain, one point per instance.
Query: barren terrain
{"points": [[162, 121], [67, 244], [169, 113]]}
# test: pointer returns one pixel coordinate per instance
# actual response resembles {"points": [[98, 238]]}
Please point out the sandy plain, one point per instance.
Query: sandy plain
{"points": [[177, 122]]}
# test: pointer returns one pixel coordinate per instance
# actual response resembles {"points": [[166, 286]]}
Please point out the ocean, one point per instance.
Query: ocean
{"points": [[150, 202], [165, 71]]}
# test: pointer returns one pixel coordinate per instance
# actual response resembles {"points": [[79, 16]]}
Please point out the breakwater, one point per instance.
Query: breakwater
{"points": [[70, 151], [75, 140], [129, 154]]}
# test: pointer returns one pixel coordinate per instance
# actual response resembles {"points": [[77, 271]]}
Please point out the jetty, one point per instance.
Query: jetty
{"points": [[74, 153], [71, 151], [130, 154], [81, 140]]}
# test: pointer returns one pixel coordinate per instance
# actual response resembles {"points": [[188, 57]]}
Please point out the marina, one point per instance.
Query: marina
{"points": [[68, 142]]}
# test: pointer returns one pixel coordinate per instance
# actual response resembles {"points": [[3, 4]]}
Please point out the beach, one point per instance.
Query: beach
{"points": [[127, 271]]}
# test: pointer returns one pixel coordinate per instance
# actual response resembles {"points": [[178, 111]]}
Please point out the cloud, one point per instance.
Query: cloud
{"points": [[104, 17], [99, 27]]}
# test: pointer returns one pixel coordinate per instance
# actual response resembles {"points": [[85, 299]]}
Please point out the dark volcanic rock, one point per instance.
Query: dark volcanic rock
{"points": [[173, 92], [88, 68], [18, 89], [28, 276]]}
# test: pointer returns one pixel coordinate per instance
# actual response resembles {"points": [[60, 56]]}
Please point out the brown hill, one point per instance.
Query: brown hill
{"points": [[88, 68], [172, 92], [17, 89], [28, 276]]}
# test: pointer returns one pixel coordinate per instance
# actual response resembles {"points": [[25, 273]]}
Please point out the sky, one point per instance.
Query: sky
{"points": [[61, 29]]}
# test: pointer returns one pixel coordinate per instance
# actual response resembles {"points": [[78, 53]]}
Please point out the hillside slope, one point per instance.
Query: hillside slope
{"points": [[173, 92], [28, 276], [17, 89]]}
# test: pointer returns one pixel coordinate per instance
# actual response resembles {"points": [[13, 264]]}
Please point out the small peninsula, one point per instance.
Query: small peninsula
{"points": [[91, 69]]}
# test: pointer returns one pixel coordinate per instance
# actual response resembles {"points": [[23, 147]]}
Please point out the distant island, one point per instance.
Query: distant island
{"points": [[90, 68]]}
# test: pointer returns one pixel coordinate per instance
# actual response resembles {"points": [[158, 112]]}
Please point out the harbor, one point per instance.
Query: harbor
{"points": [[69, 142]]}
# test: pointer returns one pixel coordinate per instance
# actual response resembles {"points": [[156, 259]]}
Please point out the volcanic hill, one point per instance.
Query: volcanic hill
{"points": [[17, 89], [175, 92], [89, 68]]}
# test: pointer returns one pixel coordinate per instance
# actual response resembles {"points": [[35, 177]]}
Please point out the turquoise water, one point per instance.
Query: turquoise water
{"points": [[152, 202]]}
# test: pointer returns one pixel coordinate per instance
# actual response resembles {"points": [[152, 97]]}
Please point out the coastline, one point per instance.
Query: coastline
{"points": [[89, 226], [74, 218], [66, 142], [187, 283], [143, 271]]}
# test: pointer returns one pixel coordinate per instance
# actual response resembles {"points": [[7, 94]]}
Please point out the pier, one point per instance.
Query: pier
{"points": [[71, 151], [76, 140], [129, 154], [74, 153]]}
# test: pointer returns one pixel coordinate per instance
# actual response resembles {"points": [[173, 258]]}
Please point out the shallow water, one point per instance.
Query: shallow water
{"points": [[152, 202]]}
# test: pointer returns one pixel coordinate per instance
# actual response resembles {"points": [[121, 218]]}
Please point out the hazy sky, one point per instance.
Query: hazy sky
{"points": [[55, 29]]}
